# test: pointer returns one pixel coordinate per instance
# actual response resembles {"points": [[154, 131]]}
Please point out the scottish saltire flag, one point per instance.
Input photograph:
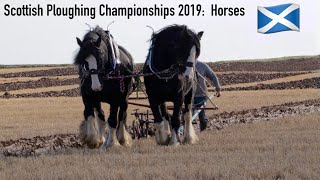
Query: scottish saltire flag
{"points": [[274, 19]]}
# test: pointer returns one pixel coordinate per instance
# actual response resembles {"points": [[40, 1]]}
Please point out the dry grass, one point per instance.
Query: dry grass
{"points": [[39, 116], [29, 117], [45, 116], [278, 80], [27, 69], [241, 100], [24, 79], [284, 149]]}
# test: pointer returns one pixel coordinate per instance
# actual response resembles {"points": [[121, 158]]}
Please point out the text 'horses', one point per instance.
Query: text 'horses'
{"points": [[100, 57], [172, 57]]}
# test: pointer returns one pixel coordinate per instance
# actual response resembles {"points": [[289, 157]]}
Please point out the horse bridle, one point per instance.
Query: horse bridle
{"points": [[186, 64], [87, 72]]}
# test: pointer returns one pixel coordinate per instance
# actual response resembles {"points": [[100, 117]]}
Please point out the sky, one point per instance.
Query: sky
{"points": [[52, 40]]}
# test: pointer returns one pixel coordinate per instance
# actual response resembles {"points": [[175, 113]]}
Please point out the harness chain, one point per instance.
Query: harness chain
{"points": [[169, 73]]}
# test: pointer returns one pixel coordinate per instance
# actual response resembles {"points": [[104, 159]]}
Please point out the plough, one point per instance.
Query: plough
{"points": [[143, 125]]}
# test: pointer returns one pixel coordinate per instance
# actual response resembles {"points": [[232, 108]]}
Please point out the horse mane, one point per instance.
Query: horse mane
{"points": [[129, 62], [177, 28], [90, 35]]}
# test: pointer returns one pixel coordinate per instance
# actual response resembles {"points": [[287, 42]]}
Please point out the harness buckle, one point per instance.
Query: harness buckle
{"points": [[93, 71], [189, 64]]}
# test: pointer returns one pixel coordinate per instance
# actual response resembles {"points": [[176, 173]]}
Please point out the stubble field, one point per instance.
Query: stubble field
{"points": [[267, 127]]}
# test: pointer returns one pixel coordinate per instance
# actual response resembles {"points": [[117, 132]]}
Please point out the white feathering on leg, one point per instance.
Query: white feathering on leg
{"points": [[190, 134], [162, 132], [89, 133], [112, 139], [123, 135]]}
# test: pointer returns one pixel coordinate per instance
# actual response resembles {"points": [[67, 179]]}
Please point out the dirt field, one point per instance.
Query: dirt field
{"points": [[257, 133], [283, 149]]}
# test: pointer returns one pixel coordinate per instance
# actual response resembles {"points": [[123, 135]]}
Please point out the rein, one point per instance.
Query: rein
{"points": [[113, 73], [167, 73], [85, 73]]}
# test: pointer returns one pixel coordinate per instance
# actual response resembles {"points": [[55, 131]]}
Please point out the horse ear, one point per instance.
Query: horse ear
{"points": [[98, 42], [79, 42], [200, 34]]}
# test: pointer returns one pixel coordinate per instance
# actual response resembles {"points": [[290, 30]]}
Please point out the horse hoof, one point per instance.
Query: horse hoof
{"points": [[127, 142], [94, 145], [174, 144], [174, 139], [110, 145], [88, 134], [112, 140], [191, 140], [123, 136], [162, 133]]}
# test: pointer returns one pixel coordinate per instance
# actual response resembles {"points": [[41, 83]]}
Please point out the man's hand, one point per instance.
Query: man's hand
{"points": [[218, 94]]}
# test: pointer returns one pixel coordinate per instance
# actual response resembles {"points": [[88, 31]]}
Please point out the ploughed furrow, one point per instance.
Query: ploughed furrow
{"points": [[50, 144], [25, 147], [222, 120], [300, 84], [289, 65], [41, 83], [39, 73], [65, 93], [237, 78]]}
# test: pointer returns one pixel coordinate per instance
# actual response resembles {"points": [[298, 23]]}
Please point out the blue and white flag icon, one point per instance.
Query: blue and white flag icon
{"points": [[274, 19]]}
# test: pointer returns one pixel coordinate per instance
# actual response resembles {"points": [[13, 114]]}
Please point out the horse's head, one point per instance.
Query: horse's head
{"points": [[177, 45], [188, 68], [93, 57]]}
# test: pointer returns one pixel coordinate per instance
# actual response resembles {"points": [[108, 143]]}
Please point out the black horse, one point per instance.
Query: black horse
{"points": [[101, 64], [172, 57]]}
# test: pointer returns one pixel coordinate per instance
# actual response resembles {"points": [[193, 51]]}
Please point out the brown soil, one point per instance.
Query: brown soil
{"points": [[264, 114], [289, 65], [277, 66], [300, 84], [38, 145], [236, 78], [225, 79], [67, 93], [50, 72], [50, 144], [43, 82]]}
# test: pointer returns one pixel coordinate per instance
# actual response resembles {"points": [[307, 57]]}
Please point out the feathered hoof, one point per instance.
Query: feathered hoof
{"points": [[110, 145], [174, 143], [191, 139], [102, 131], [94, 145], [89, 136], [162, 133], [174, 140], [112, 140], [123, 136], [125, 140]]}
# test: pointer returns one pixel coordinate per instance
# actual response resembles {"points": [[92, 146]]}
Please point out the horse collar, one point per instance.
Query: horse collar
{"points": [[149, 60], [114, 51]]}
